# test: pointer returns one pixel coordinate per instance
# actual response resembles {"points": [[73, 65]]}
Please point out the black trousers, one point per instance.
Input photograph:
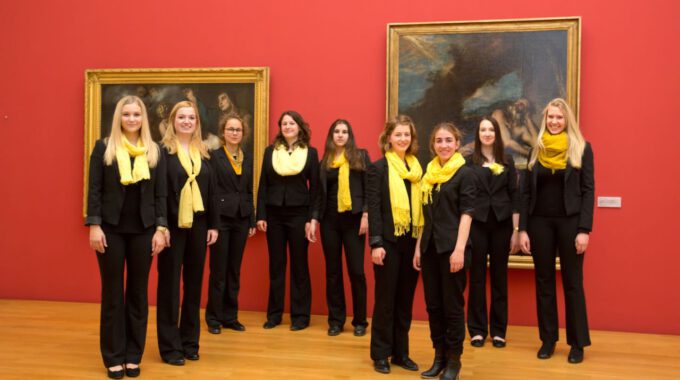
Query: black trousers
{"points": [[338, 230], [445, 300], [550, 236], [395, 286], [178, 334], [125, 304], [225, 272], [490, 238], [286, 230]]}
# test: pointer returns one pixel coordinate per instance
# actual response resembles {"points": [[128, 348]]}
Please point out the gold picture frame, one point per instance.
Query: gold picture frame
{"points": [[460, 71], [245, 87]]}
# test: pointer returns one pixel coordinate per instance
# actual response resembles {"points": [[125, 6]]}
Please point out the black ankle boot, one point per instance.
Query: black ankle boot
{"points": [[452, 370], [438, 364]]}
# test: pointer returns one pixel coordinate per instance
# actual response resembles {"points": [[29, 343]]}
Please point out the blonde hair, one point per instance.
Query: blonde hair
{"points": [[170, 138], [115, 137], [390, 126], [576, 141]]}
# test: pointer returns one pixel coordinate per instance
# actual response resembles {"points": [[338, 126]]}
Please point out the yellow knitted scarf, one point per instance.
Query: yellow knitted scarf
{"points": [[344, 196], [237, 163], [554, 153], [286, 164], [403, 214], [190, 200], [140, 168], [437, 174]]}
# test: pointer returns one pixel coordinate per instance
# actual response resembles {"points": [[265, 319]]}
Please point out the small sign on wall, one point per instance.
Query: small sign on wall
{"points": [[609, 202]]}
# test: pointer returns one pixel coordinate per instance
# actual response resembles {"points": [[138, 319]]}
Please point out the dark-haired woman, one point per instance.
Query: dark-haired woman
{"points": [[285, 202], [126, 212], [556, 217], [234, 201], [343, 212], [395, 221], [494, 233], [443, 249]]}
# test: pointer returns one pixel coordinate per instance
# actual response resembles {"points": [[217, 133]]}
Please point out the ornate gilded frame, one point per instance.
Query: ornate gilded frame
{"points": [[418, 34], [257, 76]]}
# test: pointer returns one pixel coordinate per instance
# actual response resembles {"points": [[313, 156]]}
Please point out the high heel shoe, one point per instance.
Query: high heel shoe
{"points": [[132, 372], [119, 374]]}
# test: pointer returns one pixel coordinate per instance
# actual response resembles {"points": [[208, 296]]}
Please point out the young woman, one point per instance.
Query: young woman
{"points": [[494, 233], [126, 212], [443, 250], [343, 212], [395, 221], [193, 224], [556, 215], [234, 199], [285, 201]]}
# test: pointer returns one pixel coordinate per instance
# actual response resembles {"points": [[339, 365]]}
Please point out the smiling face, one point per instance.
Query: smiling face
{"points": [[340, 135], [289, 129], [131, 119], [400, 139], [233, 132], [185, 121], [487, 134], [445, 145], [554, 120]]}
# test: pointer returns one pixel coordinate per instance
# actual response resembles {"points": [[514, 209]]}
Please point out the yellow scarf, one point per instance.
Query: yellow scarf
{"points": [[190, 200], [554, 153], [286, 164], [437, 174], [235, 164], [496, 168], [140, 168], [344, 197], [402, 212]]}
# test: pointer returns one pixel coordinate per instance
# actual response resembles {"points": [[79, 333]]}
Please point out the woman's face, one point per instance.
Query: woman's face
{"points": [[487, 135], [289, 128], [400, 138], [131, 119], [555, 121], [185, 121], [445, 144], [223, 102], [340, 135], [233, 132]]}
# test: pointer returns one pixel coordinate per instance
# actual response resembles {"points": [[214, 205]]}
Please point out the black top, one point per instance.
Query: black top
{"points": [[550, 192], [233, 193], [357, 189], [497, 193]]}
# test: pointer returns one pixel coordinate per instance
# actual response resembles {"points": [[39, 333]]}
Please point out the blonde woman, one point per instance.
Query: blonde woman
{"points": [[556, 216], [193, 224], [126, 212]]}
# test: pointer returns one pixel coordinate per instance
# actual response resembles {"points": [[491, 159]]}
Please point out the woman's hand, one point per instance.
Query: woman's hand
{"points": [[524, 243], [262, 225], [457, 260], [212, 236], [378, 255], [157, 242], [363, 227], [514, 242], [97, 238], [416, 258], [582, 239], [251, 231], [166, 235], [310, 230]]}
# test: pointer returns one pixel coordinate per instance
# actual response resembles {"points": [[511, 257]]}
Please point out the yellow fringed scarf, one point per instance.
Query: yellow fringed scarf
{"points": [[402, 212], [344, 196], [554, 153], [437, 174], [190, 200], [496, 168], [286, 164], [140, 168], [238, 162]]}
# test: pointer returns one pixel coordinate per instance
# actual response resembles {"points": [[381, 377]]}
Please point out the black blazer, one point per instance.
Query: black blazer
{"points": [[105, 194], [579, 192], [501, 194], [295, 190], [357, 189], [442, 216], [234, 194], [177, 177]]}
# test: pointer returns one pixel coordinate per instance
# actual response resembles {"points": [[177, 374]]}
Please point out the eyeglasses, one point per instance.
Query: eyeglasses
{"points": [[234, 130]]}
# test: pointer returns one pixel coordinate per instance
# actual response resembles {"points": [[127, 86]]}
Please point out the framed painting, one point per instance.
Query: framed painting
{"points": [[216, 92], [461, 71]]}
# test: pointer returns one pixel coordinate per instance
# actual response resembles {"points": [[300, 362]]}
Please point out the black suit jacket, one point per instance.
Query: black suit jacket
{"points": [[579, 192], [357, 189], [177, 177], [296, 190], [105, 194], [442, 216], [234, 194], [501, 194]]}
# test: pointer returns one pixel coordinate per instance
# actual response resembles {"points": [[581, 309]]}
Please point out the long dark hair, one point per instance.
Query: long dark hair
{"points": [[356, 161], [303, 136], [498, 146]]}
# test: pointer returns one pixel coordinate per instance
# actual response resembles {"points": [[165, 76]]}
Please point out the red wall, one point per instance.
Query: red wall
{"points": [[327, 60]]}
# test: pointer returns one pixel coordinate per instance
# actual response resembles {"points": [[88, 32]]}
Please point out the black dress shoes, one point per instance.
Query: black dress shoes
{"points": [[178, 361], [270, 325], [115, 374], [479, 342], [405, 362], [234, 325], [381, 366], [132, 372], [193, 356], [575, 355], [546, 351], [334, 330], [298, 326], [498, 343], [359, 330], [214, 329]]}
